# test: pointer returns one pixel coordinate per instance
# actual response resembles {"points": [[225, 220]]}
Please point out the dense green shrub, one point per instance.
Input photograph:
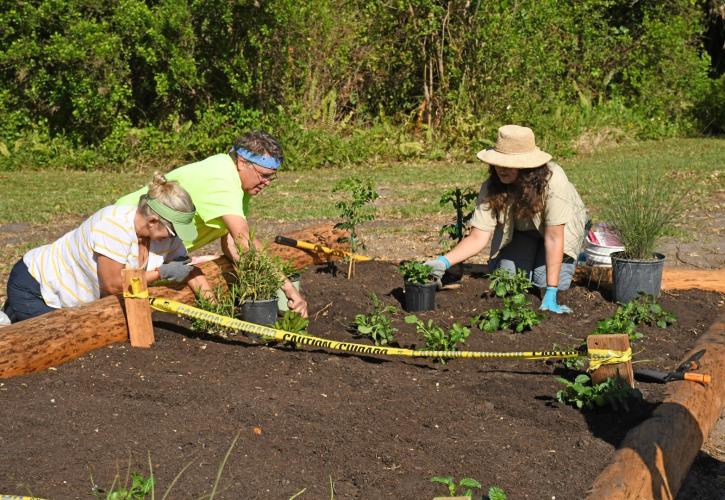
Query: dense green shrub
{"points": [[342, 82]]}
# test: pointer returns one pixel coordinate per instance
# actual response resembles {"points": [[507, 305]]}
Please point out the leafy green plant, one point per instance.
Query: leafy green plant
{"points": [[496, 493], [288, 268], [642, 310], [416, 273], [453, 487], [516, 315], [292, 322], [504, 284], [377, 325], [461, 199], [642, 210], [581, 394], [436, 338], [140, 488], [257, 275]]}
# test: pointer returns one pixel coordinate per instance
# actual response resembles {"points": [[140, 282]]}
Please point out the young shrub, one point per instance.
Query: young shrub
{"points": [[450, 483], [644, 309], [582, 395], [416, 273], [377, 325], [461, 199], [257, 275], [354, 211], [437, 339], [504, 284]]}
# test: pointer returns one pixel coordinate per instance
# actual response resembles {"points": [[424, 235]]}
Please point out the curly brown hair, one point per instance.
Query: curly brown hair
{"points": [[526, 194]]}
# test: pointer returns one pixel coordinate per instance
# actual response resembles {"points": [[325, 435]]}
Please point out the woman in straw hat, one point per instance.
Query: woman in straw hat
{"points": [[85, 264], [531, 214]]}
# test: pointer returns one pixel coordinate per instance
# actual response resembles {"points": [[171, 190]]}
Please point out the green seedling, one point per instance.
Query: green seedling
{"points": [[504, 284], [437, 339], [461, 199], [354, 211], [292, 322], [582, 395], [642, 310], [516, 315], [453, 487], [496, 493], [416, 273], [140, 488], [377, 325]]}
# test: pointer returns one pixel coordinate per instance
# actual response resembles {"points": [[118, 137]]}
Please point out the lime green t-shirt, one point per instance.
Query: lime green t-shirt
{"points": [[215, 189]]}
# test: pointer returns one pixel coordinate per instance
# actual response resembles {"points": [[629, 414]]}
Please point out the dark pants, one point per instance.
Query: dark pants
{"points": [[24, 298]]}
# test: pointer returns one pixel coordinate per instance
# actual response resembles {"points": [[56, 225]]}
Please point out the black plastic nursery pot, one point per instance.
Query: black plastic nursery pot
{"points": [[419, 297], [261, 312], [631, 276]]}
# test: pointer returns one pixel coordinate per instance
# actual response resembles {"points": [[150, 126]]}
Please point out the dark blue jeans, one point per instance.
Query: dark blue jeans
{"points": [[24, 298]]}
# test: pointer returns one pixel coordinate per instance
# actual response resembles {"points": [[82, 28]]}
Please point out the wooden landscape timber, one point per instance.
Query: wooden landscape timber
{"points": [[654, 458], [63, 335]]}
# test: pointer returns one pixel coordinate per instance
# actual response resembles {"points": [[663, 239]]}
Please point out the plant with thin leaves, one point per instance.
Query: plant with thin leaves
{"points": [[288, 268], [582, 395], [642, 209], [257, 274], [377, 325], [461, 199], [453, 487], [219, 300], [415, 273], [139, 489], [436, 338]]}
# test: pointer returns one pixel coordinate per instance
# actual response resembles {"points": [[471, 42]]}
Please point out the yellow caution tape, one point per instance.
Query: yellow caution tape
{"points": [[599, 357], [136, 292], [18, 497], [171, 306]]}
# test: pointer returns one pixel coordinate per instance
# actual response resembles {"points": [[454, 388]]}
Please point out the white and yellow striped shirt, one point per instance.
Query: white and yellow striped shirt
{"points": [[67, 269]]}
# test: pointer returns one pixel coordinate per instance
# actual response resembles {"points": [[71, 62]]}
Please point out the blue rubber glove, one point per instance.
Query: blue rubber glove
{"points": [[549, 302]]}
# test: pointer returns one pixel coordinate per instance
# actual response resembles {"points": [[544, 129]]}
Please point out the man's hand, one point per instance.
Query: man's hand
{"points": [[295, 301], [549, 302], [176, 270]]}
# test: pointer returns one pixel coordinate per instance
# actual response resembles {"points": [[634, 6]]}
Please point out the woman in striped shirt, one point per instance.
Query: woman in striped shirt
{"points": [[85, 264]]}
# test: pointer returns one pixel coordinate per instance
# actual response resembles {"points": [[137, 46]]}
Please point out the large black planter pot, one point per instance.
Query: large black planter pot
{"points": [[631, 276], [420, 297], [262, 312]]}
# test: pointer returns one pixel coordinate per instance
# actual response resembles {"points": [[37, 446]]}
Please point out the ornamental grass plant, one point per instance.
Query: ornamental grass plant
{"points": [[258, 277], [643, 208]]}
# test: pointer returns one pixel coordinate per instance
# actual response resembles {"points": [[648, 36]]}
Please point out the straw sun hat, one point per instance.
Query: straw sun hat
{"points": [[515, 148]]}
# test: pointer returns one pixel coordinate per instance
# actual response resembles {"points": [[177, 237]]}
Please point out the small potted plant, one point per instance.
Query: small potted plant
{"points": [[419, 288], [641, 209], [257, 282], [293, 273]]}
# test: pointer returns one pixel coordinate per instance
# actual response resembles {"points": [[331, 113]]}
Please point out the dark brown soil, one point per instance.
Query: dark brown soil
{"points": [[309, 419]]}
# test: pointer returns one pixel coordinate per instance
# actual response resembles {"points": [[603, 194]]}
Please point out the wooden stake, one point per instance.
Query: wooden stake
{"points": [[612, 342], [138, 310]]}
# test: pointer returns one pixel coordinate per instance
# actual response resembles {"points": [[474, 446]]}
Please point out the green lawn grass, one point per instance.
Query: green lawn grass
{"points": [[408, 190]]}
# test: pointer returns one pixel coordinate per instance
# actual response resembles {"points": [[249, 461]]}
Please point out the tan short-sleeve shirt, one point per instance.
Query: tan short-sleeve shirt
{"points": [[562, 205]]}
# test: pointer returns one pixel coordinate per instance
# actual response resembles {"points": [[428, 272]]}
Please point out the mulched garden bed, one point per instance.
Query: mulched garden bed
{"points": [[371, 427]]}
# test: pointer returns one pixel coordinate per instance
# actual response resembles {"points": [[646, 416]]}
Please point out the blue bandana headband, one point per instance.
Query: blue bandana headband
{"points": [[262, 161]]}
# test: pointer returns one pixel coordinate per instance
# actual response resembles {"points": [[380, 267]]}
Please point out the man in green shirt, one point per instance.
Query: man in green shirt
{"points": [[221, 187]]}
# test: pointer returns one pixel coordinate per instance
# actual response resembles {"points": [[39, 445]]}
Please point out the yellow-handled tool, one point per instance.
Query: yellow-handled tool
{"points": [[316, 247]]}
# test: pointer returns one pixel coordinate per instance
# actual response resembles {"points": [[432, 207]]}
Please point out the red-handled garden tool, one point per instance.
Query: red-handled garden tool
{"points": [[683, 372]]}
